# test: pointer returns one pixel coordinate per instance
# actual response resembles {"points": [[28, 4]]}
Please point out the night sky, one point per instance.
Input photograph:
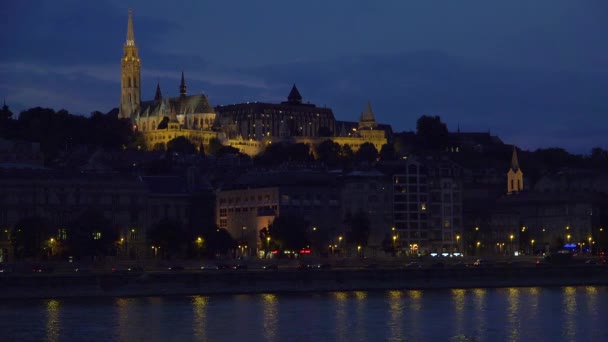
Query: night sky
{"points": [[535, 73]]}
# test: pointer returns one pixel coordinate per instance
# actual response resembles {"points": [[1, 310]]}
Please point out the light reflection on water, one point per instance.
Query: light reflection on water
{"points": [[53, 327], [510, 314]]}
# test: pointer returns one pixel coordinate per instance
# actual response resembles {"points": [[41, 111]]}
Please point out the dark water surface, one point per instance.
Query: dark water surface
{"points": [[509, 314]]}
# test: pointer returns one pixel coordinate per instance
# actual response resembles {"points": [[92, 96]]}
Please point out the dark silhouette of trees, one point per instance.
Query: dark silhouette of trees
{"points": [[30, 236], [358, 227], [289, 232], [91, 234], [181, 145], [431, 132], [170, 236], [218, 241], [328, 152], [367, 153], [164, 123]]}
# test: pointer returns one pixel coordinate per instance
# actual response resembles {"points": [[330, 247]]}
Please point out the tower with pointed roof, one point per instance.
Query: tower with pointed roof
{"points": [[515, 177], [182, 86], [130, 96], [294, 96], [367, 118]]}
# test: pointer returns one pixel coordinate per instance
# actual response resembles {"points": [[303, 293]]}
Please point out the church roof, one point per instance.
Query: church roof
{"points": [[187, 104], [514, 161]]}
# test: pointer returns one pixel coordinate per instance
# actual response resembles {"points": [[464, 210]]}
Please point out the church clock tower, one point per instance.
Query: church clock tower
{"points": [[515, 177], [130, 96]]}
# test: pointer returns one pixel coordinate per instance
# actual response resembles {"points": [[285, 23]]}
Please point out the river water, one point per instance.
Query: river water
{"points": [[507, 314]]}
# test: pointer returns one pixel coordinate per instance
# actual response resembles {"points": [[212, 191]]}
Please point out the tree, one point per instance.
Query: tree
{"points": [[169, 236], [387, 152], [29, 237], [431, 132], [358, 228], [289, 232], [181, 145], [367, 153], [219, 241], [91, 234], [164, 123], [328, 152], [215, 145]]}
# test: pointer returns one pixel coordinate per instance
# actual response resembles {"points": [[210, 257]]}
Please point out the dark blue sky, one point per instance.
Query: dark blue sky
{"points": [[533, 72]]}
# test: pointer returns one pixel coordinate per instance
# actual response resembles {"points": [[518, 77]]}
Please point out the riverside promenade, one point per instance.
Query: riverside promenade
{"points": [[234, 281]]}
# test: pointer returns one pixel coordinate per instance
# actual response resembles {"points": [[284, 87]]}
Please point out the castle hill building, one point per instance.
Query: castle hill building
{"points": [[249, 127]]}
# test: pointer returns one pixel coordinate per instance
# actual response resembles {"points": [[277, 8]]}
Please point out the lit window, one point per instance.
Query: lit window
{"points": [[97, 235]]}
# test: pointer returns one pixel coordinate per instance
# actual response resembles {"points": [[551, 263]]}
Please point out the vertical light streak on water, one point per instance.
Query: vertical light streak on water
{"points": [[53, 323], [532, 302], [199, 323], [480, 313], [592, 312], [124, 328], [271, 316], [414, 310], [341, 316], [570, 308], [395, 302], [513, 323], [361, 311], [458, 297]]}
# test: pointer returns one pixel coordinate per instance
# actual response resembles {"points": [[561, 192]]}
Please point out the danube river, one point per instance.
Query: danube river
{"points": [[506, 314]]}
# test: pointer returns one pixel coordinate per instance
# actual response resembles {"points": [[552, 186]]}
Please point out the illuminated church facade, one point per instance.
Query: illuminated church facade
{"points": [[247, 126]]}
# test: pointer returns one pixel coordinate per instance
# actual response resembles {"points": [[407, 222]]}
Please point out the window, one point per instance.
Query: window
{"points": [[97, 236]]}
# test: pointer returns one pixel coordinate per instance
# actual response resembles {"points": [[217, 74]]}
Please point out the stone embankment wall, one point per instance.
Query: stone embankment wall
{"points": [[259, 281]]}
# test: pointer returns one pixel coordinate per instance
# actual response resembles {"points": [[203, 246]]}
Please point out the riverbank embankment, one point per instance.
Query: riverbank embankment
{"points": [[273, 281]]}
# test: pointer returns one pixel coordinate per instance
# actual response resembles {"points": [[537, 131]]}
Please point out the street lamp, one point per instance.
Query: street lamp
{"points": [[532, 245], [568, 237], [511, 238], [394, 241], [590, 251], [458, 242], [358, 250]]}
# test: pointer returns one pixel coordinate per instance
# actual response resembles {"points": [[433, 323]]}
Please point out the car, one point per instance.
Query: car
{"points": [[82, 270], [541, 262], [176, 268], [41, 269], [240, 267], [271, 267], [413, 264], [303, 267], [135, 269], [323, 266], [481, 263], [210, 267]]}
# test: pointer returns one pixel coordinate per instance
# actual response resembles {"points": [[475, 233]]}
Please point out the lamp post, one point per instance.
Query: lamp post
{"points": [[478, 244], [51, 244], [267, 246], [458, 242], [199, 244], [394, 243], [359, 250], [568, 237], [590, 247], [511, 238], [532, 246]]}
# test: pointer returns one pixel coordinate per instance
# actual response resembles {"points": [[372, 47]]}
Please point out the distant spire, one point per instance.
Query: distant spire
{"points": [[514, 161], [130, 35], [182, 86], [158, 96], [294, 95], [367, 118]]}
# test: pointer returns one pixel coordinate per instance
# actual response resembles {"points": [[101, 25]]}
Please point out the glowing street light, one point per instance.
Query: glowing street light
{"points": [[532, 245]]}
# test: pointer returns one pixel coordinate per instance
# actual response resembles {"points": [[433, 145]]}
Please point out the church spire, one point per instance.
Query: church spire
{"points": [[182, 86], [367, 118], [158, 96], [514, 161], [130, 64], [130, 35], [515, 176]]}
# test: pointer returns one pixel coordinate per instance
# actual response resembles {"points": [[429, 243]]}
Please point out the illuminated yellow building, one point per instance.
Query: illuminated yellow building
{"points": [[250, 126]]}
